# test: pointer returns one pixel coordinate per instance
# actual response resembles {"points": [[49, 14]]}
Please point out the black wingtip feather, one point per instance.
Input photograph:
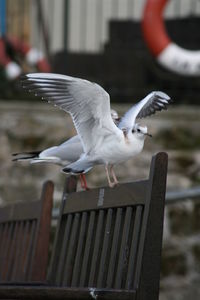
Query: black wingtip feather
{"points": [[72, 171]]}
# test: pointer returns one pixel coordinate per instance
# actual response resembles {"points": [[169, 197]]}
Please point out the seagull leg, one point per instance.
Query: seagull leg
{"points": [[111, 184], [113, 175], [83, 182]]}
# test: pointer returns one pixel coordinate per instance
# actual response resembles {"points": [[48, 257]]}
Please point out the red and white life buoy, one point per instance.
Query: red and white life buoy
{"points": [[167, 53], [32, 56], [12, 69]]}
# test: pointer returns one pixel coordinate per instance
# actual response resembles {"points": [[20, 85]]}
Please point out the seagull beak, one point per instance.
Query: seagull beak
{"points": [[148, 134]]}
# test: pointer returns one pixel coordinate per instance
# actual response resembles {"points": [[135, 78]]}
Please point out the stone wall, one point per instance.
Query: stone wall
{"points": [[28, 126]]}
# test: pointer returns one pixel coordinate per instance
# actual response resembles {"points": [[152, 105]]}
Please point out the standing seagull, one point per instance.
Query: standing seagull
{"points": [[62, 155], [89, 106]]}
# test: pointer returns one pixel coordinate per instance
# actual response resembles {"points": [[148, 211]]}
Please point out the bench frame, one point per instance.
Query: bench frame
{"points": [[25, 231], [147, 276]]}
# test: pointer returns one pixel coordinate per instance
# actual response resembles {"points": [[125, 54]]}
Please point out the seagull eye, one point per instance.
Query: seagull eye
{"points": [[133, 130], [138, 130]]}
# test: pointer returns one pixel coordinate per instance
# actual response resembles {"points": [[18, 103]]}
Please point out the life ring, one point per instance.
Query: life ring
{"points": [[167, 53], [11, 68], [32, 56]]}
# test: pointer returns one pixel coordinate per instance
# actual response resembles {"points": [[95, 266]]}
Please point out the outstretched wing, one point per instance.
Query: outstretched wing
{"points": [[87, 102], [155, 101]]}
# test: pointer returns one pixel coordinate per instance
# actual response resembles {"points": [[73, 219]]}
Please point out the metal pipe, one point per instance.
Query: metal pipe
{"points": [[181, 195]]}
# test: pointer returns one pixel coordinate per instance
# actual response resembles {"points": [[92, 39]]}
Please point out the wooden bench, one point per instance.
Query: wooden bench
{"points": [[24, 239], [108, 243]]}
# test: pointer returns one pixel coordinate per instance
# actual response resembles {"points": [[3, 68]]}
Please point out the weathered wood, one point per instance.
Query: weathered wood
{"points": [[133, 248], [121, 195], [21, 259], [87, 250], [70, 258], [29, 249], [114, 223], [152, 245], [123, 253], [63, 250], [25, 240], [5, 250], [54, 293], [11, 257], [20, 211], [105, 248], [43, 234], [96, 250], [78, 257], [114, 248], [53, 275], [17, 250], [107, 244]]}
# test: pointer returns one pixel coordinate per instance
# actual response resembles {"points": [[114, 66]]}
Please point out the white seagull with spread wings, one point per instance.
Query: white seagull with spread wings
{"points": [[103, 142], [61, 155]]}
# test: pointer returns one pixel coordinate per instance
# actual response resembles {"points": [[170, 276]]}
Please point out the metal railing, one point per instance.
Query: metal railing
{"points": [[181, 195]]}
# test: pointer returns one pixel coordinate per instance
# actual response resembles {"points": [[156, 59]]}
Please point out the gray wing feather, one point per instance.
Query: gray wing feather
{"points": [[87, 102], [153, 102], [70, 150]]}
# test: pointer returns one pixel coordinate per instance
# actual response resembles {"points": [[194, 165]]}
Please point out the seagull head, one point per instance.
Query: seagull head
{"points": [[140, 132]]}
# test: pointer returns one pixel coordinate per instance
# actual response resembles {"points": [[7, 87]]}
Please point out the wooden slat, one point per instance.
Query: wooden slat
{"points": [[12, 251], [1, 229], [22, 256], [54, 293], [4, 242], [78, 258], [6, 250], [4, 228], [59, 272], [41, 244], [104, 253], [23, 247], [20, 211], [17, 251], [71, 251], [134, 248], [107, 198], [87, 251], [96, 250], [69, 187], [114, 249], [122, 260], [28, 262], [1, 232]]}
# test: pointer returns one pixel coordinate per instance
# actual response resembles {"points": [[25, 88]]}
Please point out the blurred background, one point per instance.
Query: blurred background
{"points": [[107, 41]]}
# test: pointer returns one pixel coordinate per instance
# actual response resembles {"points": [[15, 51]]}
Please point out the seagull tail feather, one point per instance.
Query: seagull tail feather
{"points": [[25, 155]]}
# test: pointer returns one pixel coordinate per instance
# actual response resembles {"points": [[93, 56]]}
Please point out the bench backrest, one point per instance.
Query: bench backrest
{"points": [[24, 238], [106, 238]]}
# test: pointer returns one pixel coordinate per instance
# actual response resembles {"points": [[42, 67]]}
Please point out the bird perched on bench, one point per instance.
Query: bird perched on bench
{"points": [[103, 141], [62, 155]]}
